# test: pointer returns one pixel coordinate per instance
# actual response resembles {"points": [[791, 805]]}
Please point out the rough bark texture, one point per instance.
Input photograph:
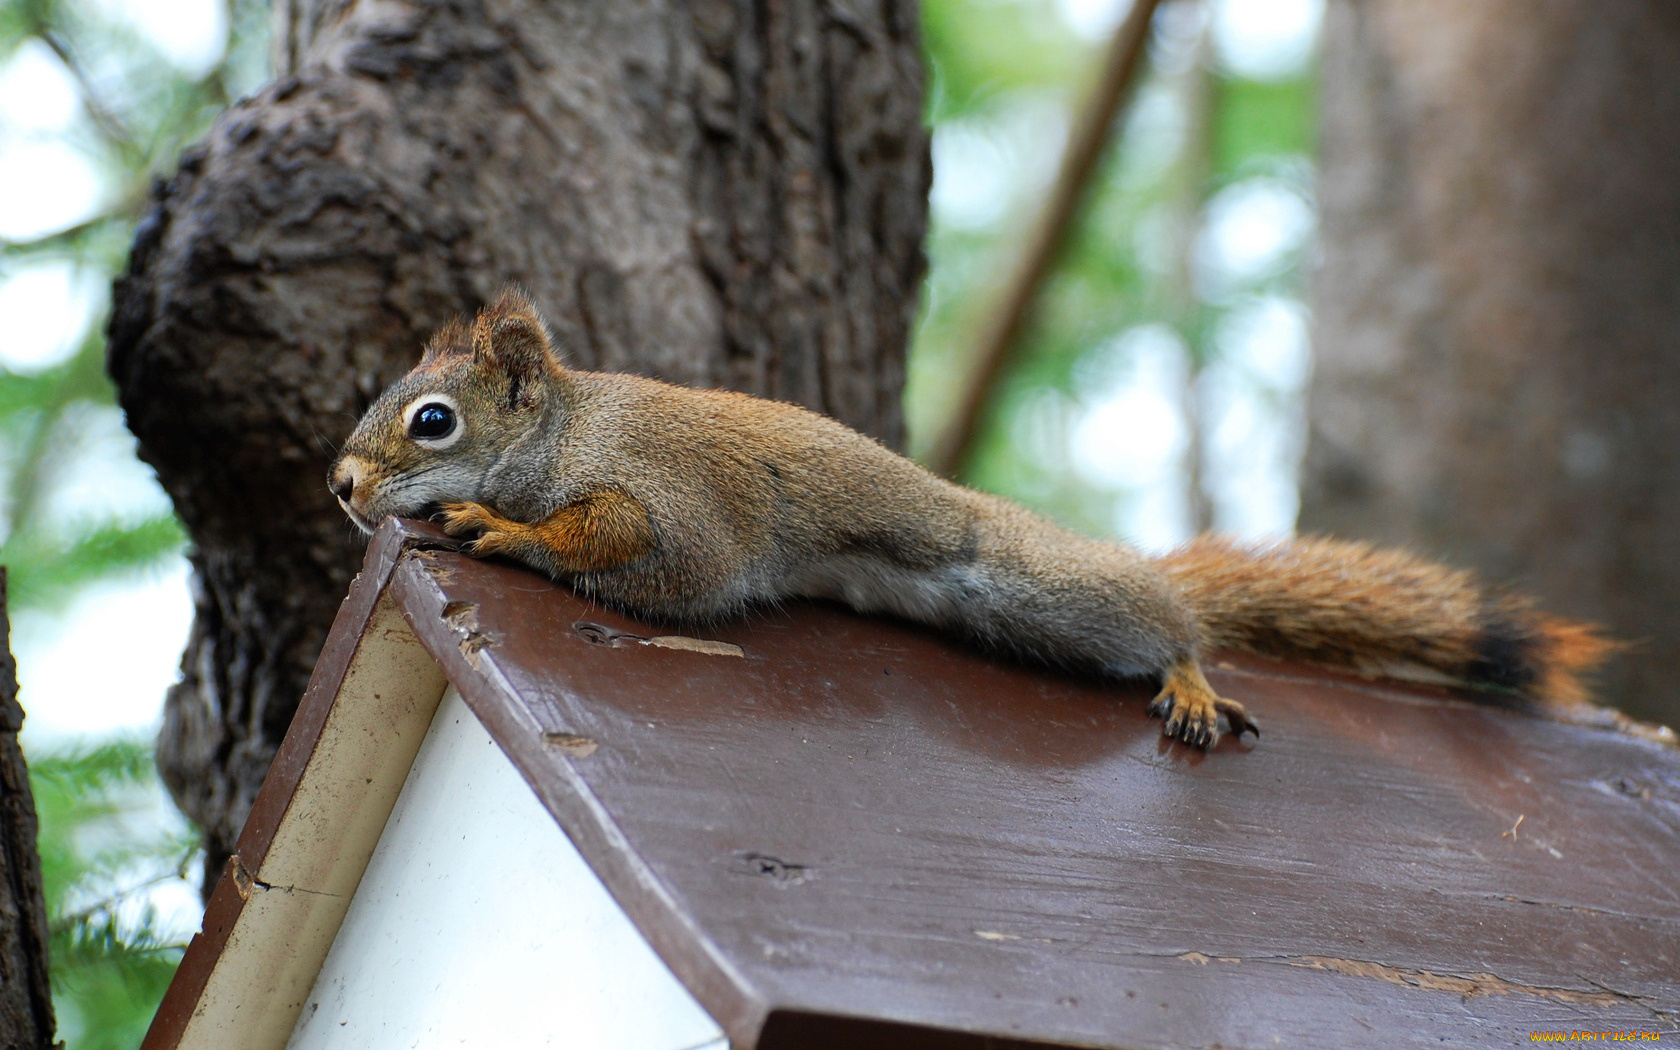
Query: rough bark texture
{"points": [[26, 1013], [1499, 304], [716, 193]]}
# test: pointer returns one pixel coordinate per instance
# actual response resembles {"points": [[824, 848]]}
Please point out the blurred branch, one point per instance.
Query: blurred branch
{"points": [[215, 84], [1193, 172], [105, 943], [78, 379], [102, 116], [70, 235], [1086, 145], [27, 478], [70, 923]]}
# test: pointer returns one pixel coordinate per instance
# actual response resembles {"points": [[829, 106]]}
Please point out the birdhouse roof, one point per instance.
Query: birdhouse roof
{"points": [[843, 831]]}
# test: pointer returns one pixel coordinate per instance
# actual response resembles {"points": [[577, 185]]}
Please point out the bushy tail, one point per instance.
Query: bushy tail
{"points": [[1383, 612]]}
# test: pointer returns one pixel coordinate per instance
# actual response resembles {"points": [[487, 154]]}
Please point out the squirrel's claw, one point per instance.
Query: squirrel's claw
{"points": [[1193, 711], [1239, 721]]}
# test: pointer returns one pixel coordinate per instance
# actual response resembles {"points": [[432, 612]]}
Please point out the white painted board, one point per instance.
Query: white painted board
{"points": [[478, 924]]}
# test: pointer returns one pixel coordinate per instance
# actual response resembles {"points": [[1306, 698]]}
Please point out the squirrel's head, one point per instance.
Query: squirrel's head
{"points": [[434, 435]]}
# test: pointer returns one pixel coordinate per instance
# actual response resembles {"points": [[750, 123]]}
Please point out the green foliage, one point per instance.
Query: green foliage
{"points": [[1129, 262], [101, 849], [138, 111], [105, 842], [46, 577], [979, 50], [1258, 120]]}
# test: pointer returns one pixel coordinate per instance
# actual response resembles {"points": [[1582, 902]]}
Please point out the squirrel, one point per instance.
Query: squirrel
{"points": [[692, 505]]}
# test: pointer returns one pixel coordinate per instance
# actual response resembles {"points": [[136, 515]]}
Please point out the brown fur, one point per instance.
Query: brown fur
{"points": [[599, 531], [1352, 605], [693, 504]]}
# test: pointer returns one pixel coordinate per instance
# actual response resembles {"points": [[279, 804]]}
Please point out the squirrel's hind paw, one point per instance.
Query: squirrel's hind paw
{"points": [[1192, 709]]}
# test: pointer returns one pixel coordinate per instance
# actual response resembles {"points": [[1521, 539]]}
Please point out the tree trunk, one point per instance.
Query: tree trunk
{"points": [[26, 1012], [1498, 305], [716, 193]]}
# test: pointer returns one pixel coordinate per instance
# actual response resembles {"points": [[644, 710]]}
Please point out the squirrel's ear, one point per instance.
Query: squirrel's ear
{"points": [[511, 337]]}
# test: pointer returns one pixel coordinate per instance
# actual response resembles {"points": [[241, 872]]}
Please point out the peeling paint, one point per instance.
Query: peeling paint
{"points": [[781, 873], [1609, 718], [695, 645], [245, 882], [601, 634], [1560, 906], [1470, 986], [270, 888], [1202, 960], [463, 617], [428, 560], [571, 744]]}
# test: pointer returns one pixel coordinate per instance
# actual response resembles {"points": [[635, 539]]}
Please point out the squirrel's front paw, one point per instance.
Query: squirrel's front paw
{"points": [[462, 519], [1192, 709], [458, 519]]}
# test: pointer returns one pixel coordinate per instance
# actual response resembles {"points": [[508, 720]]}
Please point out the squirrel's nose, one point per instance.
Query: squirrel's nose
{"points": [[343, 482]]}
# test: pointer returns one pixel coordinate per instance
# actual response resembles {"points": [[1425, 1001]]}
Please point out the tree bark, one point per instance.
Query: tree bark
{"points": [[717, 193], [1498, 304], [26, 1011]]}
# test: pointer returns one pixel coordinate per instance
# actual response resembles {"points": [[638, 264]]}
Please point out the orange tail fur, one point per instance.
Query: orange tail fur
{"points": [[1381, 612]]}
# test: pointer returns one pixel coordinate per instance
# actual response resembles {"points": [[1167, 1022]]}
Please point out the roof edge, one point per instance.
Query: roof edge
{"points": [[393, 539]]}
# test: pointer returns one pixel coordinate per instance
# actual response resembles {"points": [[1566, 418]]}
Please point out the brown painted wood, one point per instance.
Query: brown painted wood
{"points": [[860, 820], [221, 911], [858, 833]]}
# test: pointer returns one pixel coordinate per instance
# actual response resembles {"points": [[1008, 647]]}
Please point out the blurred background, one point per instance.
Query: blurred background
{"points": [[1173, 327]]}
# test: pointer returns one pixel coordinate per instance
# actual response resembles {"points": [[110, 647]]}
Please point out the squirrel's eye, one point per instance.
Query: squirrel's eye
{"points": [[432, 421]]}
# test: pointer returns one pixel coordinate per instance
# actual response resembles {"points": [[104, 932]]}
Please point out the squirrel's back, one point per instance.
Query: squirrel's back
{"points": [[802, 488]]}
